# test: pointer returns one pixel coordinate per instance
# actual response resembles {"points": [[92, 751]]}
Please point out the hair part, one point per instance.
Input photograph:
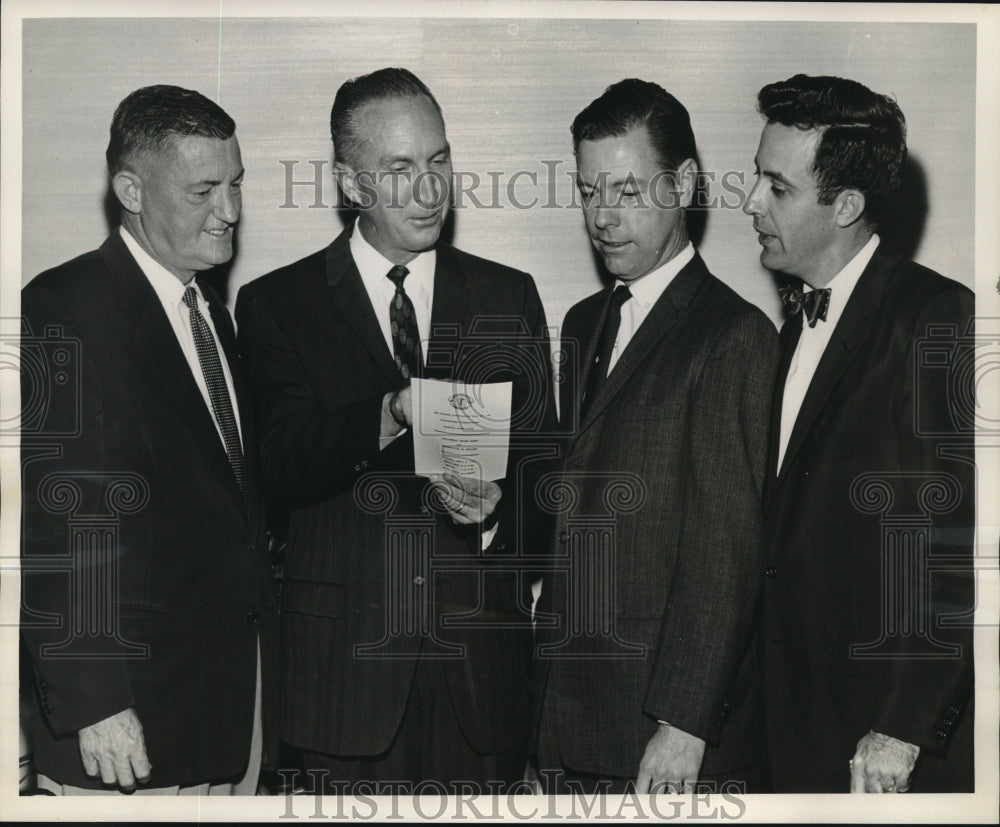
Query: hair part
{"points": [[150, 116], [632, 103], [354, 94], [862, 142]]}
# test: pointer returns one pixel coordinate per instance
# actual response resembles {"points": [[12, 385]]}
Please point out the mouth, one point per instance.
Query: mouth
{"points": [[427, 220], [222, 232], [610, 247], [765, 239]]}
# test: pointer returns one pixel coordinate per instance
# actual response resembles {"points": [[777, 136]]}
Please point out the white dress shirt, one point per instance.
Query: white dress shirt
{"points": [[419, 285], [813, 341], [645, 291], [170, 291]]}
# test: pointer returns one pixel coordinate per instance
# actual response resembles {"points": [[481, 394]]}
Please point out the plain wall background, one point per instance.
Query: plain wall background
{"points": [[509, 90]]}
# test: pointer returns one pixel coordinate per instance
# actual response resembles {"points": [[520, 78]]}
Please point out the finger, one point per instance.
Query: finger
{"points": [[140, 764], [873, 783], [107, 769], [857, 775], [642, 783], [887, 783], [89, 764], [463, 484], [123, 770]]}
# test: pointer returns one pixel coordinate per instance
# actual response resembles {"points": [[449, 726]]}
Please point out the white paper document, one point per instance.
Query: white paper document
{"points": [[461, 428]]}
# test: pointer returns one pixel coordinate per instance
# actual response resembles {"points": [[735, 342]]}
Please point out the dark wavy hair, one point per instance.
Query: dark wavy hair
{"points": [[148, 117], [863, 141], [355, 93], [631, 103]]}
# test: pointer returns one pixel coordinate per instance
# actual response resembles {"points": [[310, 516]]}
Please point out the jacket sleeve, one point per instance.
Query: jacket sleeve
{"points": [[78, 663], [707, 620], [927, 695], [306, 453]]}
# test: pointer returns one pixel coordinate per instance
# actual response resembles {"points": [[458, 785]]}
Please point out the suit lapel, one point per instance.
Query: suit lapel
{"points": [[449, 317], [788, 340], [660, 323], [352, 304], [157, 346], [853, 329]]}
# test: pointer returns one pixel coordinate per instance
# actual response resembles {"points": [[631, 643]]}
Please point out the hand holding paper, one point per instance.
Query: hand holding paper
{"points": [[461, 429], [469, 500]]}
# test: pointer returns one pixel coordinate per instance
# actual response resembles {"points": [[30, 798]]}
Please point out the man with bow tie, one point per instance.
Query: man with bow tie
{"points": [[869, 504]]}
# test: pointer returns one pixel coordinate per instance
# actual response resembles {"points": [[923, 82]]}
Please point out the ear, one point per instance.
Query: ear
{"points": [[127, 187], [687, 182], [347, 180], [849, 206]]}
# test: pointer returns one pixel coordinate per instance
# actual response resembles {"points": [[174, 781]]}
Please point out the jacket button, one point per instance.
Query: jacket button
{"points": [[418, 580], [357, 467], [771, 571], [47, 708], [364, 463], [252, 617], [424, 509], [500, 547]]}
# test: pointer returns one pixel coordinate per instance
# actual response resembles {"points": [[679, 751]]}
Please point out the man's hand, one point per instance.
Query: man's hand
{"points": [[882, 764], [115, 748], [401, 407], [671, 762], [469, 500]]}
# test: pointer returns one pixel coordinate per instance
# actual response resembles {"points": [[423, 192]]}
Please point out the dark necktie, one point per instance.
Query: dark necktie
{"points": [[403, 323], [813, 304], [218, 392], [605, 346]]}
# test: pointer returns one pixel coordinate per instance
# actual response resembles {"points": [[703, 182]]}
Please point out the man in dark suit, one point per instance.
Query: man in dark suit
{"points": [[665, 415], [147, 598], [406, 628], [866, 628]]}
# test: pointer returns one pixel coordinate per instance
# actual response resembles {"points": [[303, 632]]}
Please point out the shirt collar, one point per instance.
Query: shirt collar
{"points": [[648, 289], [169, 289], [842, 285], [373, 266]]}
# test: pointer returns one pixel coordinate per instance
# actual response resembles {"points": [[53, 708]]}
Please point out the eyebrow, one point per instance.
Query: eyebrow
{"points": [[390, 159], [775, 176], [615, 182], [214, 182]]}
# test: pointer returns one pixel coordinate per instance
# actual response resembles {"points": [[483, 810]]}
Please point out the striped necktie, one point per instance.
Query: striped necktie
{"points": [[218, 392]]}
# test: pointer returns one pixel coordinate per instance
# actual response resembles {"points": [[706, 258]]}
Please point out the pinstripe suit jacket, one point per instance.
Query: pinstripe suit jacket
{"points": [[374, 571], [672, 452]]}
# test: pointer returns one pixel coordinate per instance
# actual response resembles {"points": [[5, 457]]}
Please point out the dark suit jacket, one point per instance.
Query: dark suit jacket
{"points": [[121, 456], [868, 471], [374, 570], [671, 452]]}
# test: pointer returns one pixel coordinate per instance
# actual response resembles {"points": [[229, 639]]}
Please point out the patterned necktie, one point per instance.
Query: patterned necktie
{"points": [[813, 304], [218, 392], [403, 323], [605, 346]]}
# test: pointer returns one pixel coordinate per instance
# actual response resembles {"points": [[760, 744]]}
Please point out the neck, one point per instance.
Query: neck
{"points": [[133, 226], [836, 259]]}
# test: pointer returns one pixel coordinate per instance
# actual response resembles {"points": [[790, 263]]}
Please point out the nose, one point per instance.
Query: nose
{"points": [[752, 205], [431, 189], [605, 216], [227, 204]]}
